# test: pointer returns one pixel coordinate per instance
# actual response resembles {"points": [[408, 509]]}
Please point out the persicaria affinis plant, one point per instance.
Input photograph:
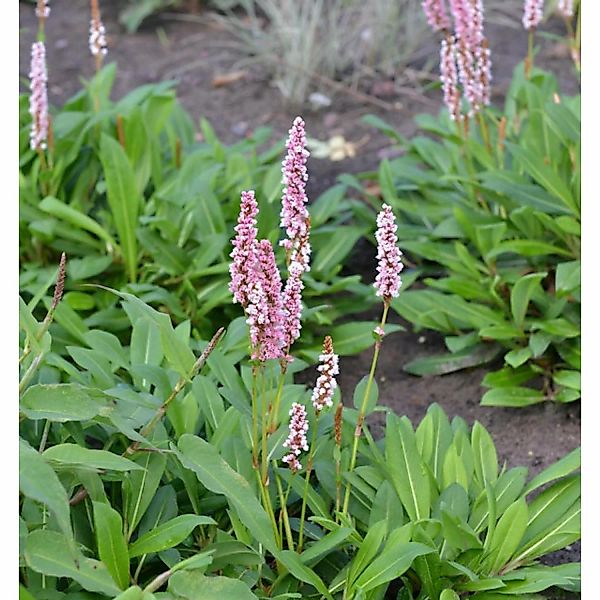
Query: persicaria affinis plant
{"points": [[38, 100]]}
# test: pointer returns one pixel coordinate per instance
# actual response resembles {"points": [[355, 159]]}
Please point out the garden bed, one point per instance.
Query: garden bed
{"points": [[195, 53]]}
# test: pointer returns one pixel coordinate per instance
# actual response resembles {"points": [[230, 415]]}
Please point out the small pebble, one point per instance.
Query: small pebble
{"points": [[421, 339]]}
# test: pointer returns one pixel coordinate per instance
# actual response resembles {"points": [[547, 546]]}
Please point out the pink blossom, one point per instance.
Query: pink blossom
{"points": [[265, 317], [38, 100], [326, 383], [532, 14], [294, 215], [449, 77], [42, 10], [388, 280], [292, 304], [245, 248], [472, 52], [379, 331], [435, 13], [565, 8], [296, 441]]}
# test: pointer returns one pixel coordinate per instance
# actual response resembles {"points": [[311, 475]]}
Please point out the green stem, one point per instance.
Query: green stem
{"points": [[254, 418], [484, 132], [309, 465], [274, 416], [363, 406], [283, 501], [268, 507], [263, 431], [44, 436], [529, 61]]}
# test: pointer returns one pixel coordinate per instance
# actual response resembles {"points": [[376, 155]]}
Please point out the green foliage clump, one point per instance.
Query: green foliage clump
{"points": [[493, 220]]}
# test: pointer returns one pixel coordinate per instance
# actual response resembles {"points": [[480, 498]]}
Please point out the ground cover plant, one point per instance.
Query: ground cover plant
{"points": [[166, 455], [489, 202]]}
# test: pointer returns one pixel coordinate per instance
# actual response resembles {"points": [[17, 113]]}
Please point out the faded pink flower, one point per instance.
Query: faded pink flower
{"points": [[388, 282], [326, 383], [565, 8], [436, 15], [296, 441], [244, 255], [379, 331], [532, 14], [38, 100], [294, 215], [449, 77]]}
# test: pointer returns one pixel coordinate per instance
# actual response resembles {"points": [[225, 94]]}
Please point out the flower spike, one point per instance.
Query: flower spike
{"points": [[532, 14], [296, 441], [388, 282], [435, 13], [38, 101], [326, 383]]}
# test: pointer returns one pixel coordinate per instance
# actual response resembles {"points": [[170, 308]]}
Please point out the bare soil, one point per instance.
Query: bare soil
{"points": [[194, 53]]}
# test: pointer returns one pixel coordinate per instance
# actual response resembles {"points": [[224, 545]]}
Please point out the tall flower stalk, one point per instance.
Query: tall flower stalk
{"points": [[387, 283], [533, 13], [322, 397]]}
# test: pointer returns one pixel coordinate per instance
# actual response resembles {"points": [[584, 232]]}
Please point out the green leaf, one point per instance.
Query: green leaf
{"points": [[484, 450], [193, 585], [512, 396], [517, 357], [216, 475], [451, 362], [45, 553], [568, 277], [570, 379], [368, 549], [300, 571], [565, 466], [359, 394], [521, 294], [72, 455], [123, 198], [544, 174], [434, 436], [507, 535], [326, 544], [168, 534], [139, 488], [394, 560], [112, 547], [63, 402], [405, 467], [39, 482], [30, 326], [329, 259], [71, 215]]}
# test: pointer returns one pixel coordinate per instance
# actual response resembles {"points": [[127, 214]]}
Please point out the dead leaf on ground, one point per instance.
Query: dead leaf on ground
{"points": [[224, 79]]}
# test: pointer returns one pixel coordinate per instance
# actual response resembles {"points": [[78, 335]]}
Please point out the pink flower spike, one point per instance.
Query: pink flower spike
{"points": [[296, 441], [436, 15], [294, 215], [38, 100], [326, 383], [532, 14], [245, 247], [388, 282], [449, 77], [267, 315], [292, 305]]}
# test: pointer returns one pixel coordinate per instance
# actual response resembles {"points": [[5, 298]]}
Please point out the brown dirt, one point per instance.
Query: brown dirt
{"points": [[194, 53]]}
